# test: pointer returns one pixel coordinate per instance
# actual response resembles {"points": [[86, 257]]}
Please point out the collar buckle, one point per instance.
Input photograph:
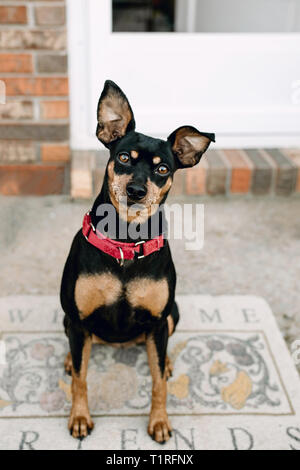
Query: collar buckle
{"points": [[121, 260], [138, 244], [90, 225]]}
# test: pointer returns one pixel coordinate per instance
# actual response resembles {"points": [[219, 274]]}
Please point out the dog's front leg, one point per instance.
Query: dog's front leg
{"points": [[80, 423], [159, 426]]}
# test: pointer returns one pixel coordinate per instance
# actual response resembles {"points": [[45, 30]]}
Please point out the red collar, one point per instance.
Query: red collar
{"points": [[119, 250]]}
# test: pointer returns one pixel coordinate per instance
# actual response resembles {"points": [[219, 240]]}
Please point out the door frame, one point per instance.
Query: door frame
{"points": [[257, 127]]}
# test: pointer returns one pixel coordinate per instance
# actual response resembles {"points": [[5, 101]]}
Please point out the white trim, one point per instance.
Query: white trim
{"points": [[191, 16], [247, 126], [78, 46], [282, 128]]}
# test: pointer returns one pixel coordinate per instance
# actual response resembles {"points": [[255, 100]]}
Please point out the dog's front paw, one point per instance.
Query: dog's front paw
{"points": [[80, 425], [159, 427]]}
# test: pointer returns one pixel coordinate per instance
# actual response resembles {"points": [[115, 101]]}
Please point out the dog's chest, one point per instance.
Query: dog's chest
{"points": [[106, 290]]}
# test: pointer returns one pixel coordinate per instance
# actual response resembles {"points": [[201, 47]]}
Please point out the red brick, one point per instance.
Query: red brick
{"points": [[54, 40], [55, 109], [196, 179], [216, 179], [55, 152], [15, 63], [39, 86], [240, 180], [294, 155], [31, 179], [52, 63], [34, 131], [286, 172], [241, 173], [50, 15], [16, 110], [13, 15], [17, 151]]}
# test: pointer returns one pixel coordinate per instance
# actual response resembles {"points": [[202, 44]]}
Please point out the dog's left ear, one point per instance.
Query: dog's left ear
{"points": [[188, 145], [114, 114]]}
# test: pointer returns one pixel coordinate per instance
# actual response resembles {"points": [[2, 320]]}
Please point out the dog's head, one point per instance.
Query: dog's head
{"points": [[141, 168]]}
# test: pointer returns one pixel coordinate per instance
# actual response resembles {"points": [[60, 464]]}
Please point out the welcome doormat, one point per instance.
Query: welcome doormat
{"points": [[234, 384]]}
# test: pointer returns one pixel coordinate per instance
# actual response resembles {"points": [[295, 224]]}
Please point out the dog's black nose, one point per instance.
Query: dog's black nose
{"points": [[136, 192]]}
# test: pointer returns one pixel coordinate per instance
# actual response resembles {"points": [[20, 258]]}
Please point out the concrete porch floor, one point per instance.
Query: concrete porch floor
{"points": [[251, 247]]}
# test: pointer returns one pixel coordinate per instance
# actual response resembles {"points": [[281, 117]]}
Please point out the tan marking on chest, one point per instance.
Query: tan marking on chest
{"points": [[94, 291], [148, 294]]}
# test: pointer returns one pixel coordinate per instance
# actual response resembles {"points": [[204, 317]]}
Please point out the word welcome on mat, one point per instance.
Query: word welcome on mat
{"points": [[234, 384]]}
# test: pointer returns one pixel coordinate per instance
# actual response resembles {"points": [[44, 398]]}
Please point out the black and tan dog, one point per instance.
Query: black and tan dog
{"points": [[122, 291]]}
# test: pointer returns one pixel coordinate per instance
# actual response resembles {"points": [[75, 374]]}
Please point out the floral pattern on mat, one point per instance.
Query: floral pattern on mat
{"points": [[213, 373]]}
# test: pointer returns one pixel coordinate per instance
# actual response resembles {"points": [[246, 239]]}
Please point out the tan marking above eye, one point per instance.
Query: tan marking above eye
{"points": [[95, 291], [134, 154], [156, 160], [148, 294]]}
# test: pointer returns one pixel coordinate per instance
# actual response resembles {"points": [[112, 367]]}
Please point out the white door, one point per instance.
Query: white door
{"points": [[245, 87]]}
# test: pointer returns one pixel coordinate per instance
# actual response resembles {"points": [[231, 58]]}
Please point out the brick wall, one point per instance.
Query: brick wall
{"points": [[34, 121]]}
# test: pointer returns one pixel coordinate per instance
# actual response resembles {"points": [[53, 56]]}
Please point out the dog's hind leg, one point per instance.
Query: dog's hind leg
{"points": [[156, 343], [80, 423]]}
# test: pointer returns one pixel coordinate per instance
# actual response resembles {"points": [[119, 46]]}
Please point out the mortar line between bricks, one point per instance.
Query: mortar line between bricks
{"points": [[33, 28], [12, 99], [34, 74], [45, 51], [39, 122], [30, 15], [7, 3]]}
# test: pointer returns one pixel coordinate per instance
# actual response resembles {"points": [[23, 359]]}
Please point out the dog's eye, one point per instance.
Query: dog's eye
{"points": [[124, 158], [162, 170]]}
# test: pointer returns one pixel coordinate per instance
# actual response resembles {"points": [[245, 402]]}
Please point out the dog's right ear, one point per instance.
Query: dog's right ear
{"points": [[114, 114], [188, 145]]}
